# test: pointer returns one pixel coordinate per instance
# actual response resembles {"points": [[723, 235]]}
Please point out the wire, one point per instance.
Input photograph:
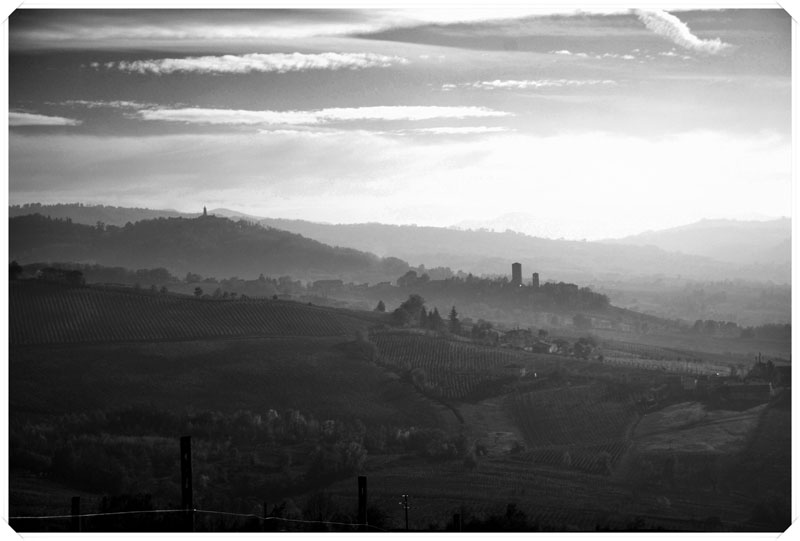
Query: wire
{"points": [[103, 514], [208, 511]]}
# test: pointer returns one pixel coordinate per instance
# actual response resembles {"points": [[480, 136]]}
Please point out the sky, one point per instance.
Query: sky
{"points": [[581, 124]]}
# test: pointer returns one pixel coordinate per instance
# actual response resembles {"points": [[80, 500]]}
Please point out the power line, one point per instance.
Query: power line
{"points": [[207, 511]]}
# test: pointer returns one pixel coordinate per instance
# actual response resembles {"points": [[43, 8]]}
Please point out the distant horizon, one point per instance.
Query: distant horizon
{"points": [[212, 209]]}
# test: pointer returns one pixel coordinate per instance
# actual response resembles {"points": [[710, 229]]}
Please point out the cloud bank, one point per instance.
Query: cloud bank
{"points": [[321, 116], [256, 62], [32, 119], [671, 27]]}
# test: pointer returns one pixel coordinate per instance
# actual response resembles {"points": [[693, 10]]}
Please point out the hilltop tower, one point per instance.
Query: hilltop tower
{"points": [[205, 213], [516, 274], [535, 280]]}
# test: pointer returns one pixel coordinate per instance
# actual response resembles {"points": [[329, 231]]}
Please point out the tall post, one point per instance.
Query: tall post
{"points": [[186, 482], [362, 502], [404, 503], [76, 513]]}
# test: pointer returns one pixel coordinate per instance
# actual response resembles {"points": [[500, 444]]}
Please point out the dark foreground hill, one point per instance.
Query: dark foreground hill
{"points": [[207, 245]]}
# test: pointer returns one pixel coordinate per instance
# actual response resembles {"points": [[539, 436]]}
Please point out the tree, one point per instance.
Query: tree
{"points": [[381, 307], [14, 270], [435, 321], [455, 324], [410, 311]]}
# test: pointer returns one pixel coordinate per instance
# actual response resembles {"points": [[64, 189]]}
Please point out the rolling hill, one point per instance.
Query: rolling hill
{"points": [[742, 242], [207, 245]]}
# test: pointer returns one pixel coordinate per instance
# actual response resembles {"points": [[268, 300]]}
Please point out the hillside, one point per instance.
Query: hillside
{"points": [[210, 246], [701, 251], [46, 313], [742, 242], [288, 408], [489, 252]]}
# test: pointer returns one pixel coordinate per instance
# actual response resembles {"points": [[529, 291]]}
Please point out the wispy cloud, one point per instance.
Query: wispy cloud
{"points": [[530, 83], [321, 116], [16, 119], [114, 104], [565, 52], [671, 27], [256, 62], [460, 130], [673, 54]]}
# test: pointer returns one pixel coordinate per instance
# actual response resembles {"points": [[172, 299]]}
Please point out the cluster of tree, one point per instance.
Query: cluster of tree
{"points": [[715, 328], [94, 273], [768, 332], [412, 313], [135, 448], [512, 519]]}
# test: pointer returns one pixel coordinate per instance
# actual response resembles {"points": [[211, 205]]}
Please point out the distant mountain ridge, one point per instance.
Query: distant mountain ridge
{"points": [[735, 241], [488, 252], [92, 214]]}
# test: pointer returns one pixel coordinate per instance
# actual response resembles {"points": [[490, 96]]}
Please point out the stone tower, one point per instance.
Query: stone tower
{"points": [[516, 274]]}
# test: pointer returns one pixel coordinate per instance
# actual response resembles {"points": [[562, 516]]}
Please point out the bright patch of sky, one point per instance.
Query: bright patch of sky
{"points": [[595, 124]]}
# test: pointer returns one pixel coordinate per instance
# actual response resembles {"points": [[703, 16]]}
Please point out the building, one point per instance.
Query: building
{"points": [[535, 280], [516, 274]]}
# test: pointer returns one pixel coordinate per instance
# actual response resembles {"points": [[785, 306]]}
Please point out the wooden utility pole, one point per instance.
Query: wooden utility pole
{"points": [[186, 483], [76, 513], [362, 502]]}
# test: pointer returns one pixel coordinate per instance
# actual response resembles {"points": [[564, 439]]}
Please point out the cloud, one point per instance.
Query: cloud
{"points": [[565, 52], [669, 26], [321, 116], [16, 119], [460, 130], [255, 62], [531, 83], [115, 104], [168, 28]]}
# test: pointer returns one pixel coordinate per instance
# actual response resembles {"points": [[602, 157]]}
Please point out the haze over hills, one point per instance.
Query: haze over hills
{"points": [[743, 242], [489, 252], [760, 251], [210, 246]]}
